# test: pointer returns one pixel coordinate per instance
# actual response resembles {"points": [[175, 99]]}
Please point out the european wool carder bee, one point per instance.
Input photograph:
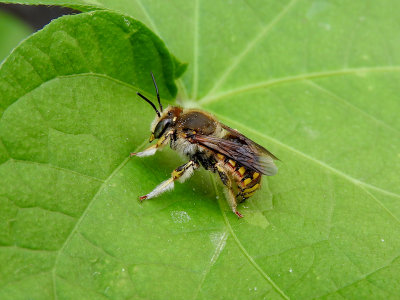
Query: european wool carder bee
{"points": [[196, 134]]}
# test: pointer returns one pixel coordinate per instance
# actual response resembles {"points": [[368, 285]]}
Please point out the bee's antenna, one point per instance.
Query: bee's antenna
{"points": [[158, 95], [151, 103]]}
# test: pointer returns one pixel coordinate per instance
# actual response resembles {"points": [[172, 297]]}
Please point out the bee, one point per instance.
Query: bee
{"points": [[206, 142]]}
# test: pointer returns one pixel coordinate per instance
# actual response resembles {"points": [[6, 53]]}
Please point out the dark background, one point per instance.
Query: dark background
{"points": [[36, 16]]}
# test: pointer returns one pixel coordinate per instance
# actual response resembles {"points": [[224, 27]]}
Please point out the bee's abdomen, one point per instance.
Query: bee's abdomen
{"points": [[248, 181], [249, 184]]}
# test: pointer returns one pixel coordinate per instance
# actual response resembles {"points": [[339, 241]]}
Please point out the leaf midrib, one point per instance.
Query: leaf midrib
{"points": [[294, 78], [242, 248]]}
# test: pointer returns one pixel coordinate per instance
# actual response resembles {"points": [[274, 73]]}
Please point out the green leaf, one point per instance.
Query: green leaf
{"points": [[316, 82], [12, 31]]}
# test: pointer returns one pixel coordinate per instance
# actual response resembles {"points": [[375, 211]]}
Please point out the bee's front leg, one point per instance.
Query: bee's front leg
{"points": [[230, 195], [146, 152], [153, 149], [181, 173]]}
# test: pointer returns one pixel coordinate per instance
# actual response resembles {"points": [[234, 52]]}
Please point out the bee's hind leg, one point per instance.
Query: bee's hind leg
{"points": [[230, 195], [181, 173], [232, 202]]}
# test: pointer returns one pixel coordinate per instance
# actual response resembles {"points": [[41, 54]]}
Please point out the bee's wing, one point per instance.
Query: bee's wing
{"points": [[246, 140], [246, 153]]}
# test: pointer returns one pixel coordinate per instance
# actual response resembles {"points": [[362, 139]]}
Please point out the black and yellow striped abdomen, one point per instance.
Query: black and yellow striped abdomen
{"points": [[248, 184], [247, 181]]}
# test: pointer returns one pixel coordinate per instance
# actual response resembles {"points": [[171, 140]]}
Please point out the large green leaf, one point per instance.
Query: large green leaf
{"points": [[314, 81]]}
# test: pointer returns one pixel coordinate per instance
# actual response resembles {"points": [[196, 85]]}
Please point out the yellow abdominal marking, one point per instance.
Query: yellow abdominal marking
{"points": [[242, 170], [232, 162], [249, 195], [255, 175], [247, 181], [220, 156], [256, 186]]}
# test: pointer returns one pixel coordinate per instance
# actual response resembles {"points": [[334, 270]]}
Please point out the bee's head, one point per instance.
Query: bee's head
{"points": [[164, 118]]}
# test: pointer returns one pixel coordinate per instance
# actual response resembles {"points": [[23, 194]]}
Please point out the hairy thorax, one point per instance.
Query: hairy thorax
{"points": [[195, 122]]}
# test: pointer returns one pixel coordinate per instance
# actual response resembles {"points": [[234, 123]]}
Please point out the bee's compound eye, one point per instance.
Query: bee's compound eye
{"points": [[161, 127]]}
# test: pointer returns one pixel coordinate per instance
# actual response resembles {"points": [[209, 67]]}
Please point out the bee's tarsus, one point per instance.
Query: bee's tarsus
{"points": [[238, 214], [181, 173], [141, 198], [146, 152], [132, 154]]}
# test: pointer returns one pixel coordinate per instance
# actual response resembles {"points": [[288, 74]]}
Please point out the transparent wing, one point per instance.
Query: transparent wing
{"points": [[240, 149]]}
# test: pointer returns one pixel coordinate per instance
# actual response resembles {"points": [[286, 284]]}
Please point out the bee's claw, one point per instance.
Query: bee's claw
{"points": [[141, 198], [238, 214], [132, 154]]}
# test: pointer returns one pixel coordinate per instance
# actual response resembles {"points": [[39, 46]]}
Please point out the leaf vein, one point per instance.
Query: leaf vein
{"points": [[218, 249], [56, 168], [26, 277], [98, 247], [293, 78], [19, 247], [298, 281], [238, 59], [85, 212], [46, 209], [83, 287], [243, 250], [179, 81], [347, 103], [363, 277], [196, 50]]}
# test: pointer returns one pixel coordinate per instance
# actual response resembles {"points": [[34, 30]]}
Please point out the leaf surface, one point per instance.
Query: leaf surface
{"points": [[12, 31], [316, 82]]}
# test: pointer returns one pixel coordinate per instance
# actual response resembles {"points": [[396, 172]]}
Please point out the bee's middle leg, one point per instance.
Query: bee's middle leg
{"points": [[181, 173], [229, 191]]}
